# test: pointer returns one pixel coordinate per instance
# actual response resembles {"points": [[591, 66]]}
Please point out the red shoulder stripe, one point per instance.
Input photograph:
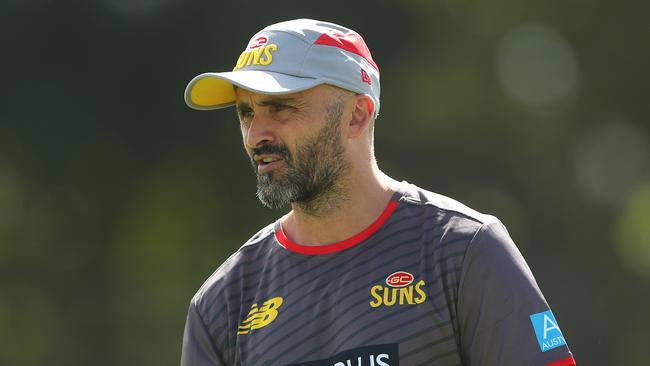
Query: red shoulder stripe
{"points": [[569, 361]]}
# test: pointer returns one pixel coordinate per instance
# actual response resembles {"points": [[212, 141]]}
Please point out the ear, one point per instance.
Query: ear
{"points": [[363, 109]]}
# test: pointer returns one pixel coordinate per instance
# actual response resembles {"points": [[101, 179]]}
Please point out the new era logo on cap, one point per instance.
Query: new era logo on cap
{"points": [[365, 77], [289, 57]]}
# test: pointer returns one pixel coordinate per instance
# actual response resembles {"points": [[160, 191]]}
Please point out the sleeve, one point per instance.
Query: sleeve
{"points": [[199, 348], [503, 316]]}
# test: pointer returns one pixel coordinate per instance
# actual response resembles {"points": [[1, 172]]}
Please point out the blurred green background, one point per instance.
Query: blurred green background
{"points": [[117, 201]]}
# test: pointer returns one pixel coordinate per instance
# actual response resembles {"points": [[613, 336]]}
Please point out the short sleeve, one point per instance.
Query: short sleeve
{"points": [[198, 346], [503, 316]]}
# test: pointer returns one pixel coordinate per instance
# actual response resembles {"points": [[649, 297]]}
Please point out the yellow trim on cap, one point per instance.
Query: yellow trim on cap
{"points": [[209, 92]]}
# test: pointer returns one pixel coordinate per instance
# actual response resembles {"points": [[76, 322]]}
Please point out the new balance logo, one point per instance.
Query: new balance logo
{"points": [[261, 316]]}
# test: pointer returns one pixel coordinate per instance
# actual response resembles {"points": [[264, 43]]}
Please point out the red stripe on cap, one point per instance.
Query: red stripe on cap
{"points": [[569, 361], [342, 245], [351, 42]]}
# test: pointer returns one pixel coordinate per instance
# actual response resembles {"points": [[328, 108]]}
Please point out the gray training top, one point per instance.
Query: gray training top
{"points": [[431, 282]]}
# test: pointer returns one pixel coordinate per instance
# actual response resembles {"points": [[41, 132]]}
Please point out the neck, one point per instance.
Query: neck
{"points": [[324, 204], [353, 205]]}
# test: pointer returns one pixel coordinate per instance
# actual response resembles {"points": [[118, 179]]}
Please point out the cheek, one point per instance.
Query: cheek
{"points": [[244, 133]]}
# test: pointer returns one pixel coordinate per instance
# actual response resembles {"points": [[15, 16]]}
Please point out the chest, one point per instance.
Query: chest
{"points": [[363, 310]]}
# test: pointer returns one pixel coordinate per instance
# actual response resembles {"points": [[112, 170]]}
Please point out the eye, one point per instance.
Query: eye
{"points": [[280, 107], [245, 114]]}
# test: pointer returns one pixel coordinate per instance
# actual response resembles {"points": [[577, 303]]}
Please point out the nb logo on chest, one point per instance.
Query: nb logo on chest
{"points": [[261, 316]]}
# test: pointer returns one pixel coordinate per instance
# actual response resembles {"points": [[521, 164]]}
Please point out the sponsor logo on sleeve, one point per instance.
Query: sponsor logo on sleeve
{"points": [[260, 316], [376, 355], [399, 290], [548, 333]]}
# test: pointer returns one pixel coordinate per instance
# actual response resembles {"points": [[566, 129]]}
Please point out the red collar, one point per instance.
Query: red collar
{"points": [[339, 246]]}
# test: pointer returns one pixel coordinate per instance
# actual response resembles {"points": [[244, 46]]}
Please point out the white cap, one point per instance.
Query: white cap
{"points": [[289, 57]]}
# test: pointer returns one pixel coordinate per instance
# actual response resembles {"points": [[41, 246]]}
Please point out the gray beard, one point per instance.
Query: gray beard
{"points": [[311, 179]]}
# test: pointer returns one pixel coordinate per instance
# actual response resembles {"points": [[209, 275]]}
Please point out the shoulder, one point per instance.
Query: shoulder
{"points": [[227, 275], [444, 211]]}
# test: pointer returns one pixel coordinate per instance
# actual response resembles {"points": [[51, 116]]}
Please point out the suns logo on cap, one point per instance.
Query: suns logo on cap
{"points": [[258, 52], [258, 42]]}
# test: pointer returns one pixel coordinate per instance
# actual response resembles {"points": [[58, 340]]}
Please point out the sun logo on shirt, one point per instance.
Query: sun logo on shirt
{"points": [[399, 289]]}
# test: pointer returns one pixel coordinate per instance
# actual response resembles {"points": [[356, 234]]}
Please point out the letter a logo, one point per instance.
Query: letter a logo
{"points": [[547, 331], [549, 324]]}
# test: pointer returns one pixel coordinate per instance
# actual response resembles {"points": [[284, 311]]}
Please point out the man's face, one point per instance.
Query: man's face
{"points": [[295, 144]]}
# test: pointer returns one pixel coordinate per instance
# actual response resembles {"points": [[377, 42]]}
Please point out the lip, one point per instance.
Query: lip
{"points": [[268, 167], [262, 167]]}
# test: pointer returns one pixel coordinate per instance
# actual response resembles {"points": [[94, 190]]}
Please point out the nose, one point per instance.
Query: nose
{"points": [[259, 131]]}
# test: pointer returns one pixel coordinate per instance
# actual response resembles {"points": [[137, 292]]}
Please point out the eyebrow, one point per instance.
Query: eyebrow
{"points": [[242, 105], [274, 101]]}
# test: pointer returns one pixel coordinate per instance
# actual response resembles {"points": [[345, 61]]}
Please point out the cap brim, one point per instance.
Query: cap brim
{"points": [[215, 90]]}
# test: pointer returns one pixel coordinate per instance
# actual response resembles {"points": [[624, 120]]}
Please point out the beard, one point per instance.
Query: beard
{"points": [[311, 178]]}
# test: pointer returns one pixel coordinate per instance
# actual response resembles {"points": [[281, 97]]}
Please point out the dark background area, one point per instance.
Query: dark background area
{"points": [[117, 201]]}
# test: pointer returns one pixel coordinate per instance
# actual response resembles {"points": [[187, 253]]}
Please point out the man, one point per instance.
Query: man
{"points": [[364, 270]]}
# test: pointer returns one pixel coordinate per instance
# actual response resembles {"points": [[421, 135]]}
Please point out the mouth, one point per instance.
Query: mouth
{"points": [[267, 163]]}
